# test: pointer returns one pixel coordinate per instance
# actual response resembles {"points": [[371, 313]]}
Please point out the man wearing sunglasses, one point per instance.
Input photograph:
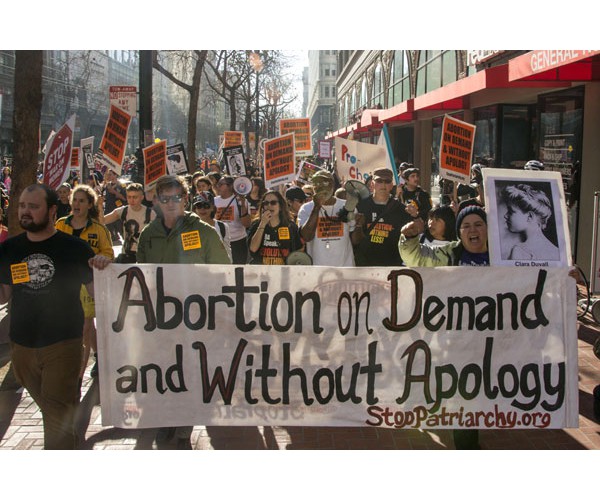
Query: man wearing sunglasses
{"points": [[378, 222], [178, 237]]}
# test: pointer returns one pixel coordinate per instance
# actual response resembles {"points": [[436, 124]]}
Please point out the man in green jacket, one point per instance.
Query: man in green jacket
{"points": [[177, 236]]}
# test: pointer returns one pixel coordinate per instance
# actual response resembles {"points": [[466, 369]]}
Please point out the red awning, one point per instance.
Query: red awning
{"points": [[555, 65], [369, 118], [399, 112], [454, 95]]}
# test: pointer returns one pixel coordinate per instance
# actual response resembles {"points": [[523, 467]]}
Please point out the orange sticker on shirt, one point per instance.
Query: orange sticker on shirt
{"points": [[330, 227], [20, 273], [191, 240], [284, 233], [225, 214]]}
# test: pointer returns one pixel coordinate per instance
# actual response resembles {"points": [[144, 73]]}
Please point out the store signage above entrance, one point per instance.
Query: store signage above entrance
{"points": [[475, 57], [539, 61]]}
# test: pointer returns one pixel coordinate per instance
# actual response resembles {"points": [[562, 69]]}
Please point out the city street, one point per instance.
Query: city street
{"points": [[21, 423]]}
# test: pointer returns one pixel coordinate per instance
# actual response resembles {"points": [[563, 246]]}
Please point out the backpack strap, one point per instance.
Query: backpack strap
{"points": [[148, 214], [221, 228], [124, 214]]}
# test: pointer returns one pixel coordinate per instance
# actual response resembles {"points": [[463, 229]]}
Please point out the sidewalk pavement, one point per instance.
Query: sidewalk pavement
{"points": [[21, 423]]}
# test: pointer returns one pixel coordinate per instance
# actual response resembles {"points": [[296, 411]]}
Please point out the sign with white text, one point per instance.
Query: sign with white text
{"points": [[57, 160], [312, 346]]}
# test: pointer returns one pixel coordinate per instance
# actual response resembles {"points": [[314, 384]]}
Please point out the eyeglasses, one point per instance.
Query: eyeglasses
{"points": [[381, 181], [270, 202], [166, 199], [202, 204]]}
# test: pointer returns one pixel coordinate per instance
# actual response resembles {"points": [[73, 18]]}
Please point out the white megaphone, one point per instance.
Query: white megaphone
{"points": [[242, 185]]}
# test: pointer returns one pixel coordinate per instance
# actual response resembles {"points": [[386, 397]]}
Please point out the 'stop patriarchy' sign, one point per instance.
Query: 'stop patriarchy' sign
{"points": [[296, 345]]}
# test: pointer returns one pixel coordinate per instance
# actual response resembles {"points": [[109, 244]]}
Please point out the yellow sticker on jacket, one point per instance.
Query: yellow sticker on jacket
{"points": [[191, 240], [19, 273], [284, 233]]}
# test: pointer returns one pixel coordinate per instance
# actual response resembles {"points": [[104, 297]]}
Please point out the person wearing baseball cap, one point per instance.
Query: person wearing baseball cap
{"points": [[378, 222], [417, 200]]}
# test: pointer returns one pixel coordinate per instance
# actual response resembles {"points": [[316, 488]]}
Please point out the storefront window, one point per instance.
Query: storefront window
{"points": [[436, 68], [485, 121], [400, 88], [377, 86]]}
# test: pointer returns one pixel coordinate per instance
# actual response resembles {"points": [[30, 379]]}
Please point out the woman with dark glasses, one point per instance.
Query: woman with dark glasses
{"points": [[273, 236], [204, 207]]}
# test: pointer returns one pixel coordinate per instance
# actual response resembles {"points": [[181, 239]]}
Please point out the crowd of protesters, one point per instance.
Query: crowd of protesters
{"points": [[321, 221]]}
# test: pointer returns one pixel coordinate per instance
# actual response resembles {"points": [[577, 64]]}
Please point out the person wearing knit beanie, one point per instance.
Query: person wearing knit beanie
{"points": [[471, 209]]}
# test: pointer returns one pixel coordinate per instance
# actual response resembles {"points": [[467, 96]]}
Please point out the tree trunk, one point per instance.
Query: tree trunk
{"points": [[26, 128], [193, 111]]}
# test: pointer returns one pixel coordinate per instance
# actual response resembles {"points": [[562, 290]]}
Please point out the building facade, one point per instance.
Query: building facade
{"points": [[542, 105], [72, 82], [321, 109]]}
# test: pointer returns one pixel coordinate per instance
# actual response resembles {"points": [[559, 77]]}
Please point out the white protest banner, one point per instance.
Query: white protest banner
{"points": [[356, 159], [57, 161], [124, 97], [456, 149], [425, 348]]}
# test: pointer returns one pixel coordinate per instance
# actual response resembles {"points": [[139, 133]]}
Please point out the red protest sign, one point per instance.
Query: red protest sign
{"points": [[155, 163], [58, 156], [456, 149], [280, 160], [114, 140]]}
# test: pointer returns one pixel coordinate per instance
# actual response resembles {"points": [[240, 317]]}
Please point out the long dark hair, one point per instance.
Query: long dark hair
{"points": [[284, 213]]}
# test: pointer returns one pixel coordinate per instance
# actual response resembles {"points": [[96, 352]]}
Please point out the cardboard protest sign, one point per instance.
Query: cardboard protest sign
{"points": [[57, 161], [305, 171], [177, 163], [124, 97], [356, 159], [114, 140], [280, 161], [232, 138], [527, 218], [235, 163], [75, 158], [456, 149], [155, 163], [87, 153], [325, 150], [467, 348], [300, 127]]}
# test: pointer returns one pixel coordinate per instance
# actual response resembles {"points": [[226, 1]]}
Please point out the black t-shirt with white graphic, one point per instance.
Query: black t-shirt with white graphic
{"points": [[46, 279]]}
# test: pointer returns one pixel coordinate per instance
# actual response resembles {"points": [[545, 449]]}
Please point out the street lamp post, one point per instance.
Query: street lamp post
{"points": [[257, 65]]}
